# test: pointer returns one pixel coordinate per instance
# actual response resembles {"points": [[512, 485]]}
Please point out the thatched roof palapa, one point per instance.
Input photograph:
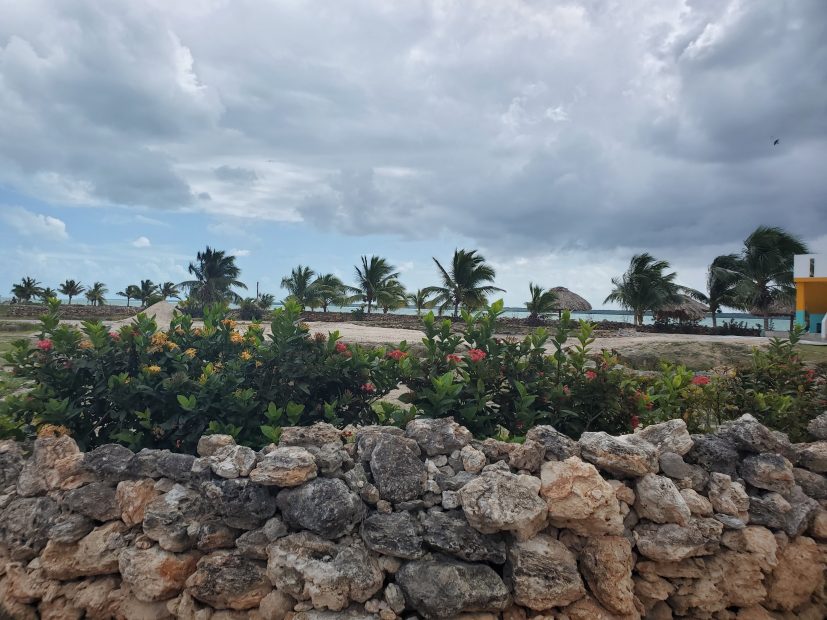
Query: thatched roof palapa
{"points": [[684, 309], [566, 300], [779, 307]]}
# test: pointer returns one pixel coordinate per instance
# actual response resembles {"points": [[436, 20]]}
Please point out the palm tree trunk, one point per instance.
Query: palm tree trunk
{"points": [[456, 309], [766, 320], [70, 300], [370, 302], [127, 302], [714, 320]]}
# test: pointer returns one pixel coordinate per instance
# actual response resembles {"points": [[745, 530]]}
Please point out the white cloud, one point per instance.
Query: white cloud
{"points": [[31, 224], [237, 252], [141, 242]]}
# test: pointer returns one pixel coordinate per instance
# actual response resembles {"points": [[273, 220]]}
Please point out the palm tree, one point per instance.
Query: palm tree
{"points": [[327, 289], [298, 285], [46, 294], [215, 277], [644, 286], [391, 296], [168, 289], [420, 301], [764, 270], [147, 289], [721, 280], [266, 300], [371, 277], [541, 303], [27, 289], [463, 285], [70, 288], [130, 292], [96, 294]]}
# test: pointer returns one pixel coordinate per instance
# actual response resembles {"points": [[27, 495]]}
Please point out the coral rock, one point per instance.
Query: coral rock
{"points": [[799, 573], [132, 498], [449, 532], [288, 466], [558, 447], [324, 506], [438, 435], [233, 461], [659, 500], [606, 563], [669, 436], [671, 542], [543, 573], [173, 518], [497, 501], [397, 471], [96, 553], [397, 534], [626, 455], [768, 471], [154, 574]]}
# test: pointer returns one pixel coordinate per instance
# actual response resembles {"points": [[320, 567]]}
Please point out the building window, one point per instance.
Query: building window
{"points": [[812, 267]]}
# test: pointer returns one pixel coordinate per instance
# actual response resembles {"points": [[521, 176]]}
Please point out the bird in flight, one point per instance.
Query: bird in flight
{"points": [[776, 142]]}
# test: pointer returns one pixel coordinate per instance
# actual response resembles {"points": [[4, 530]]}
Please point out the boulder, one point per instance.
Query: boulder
{"points": [[208, 445], [606, 563], [254, 544], [698, 505], [498, 501], [543, 573], [578, 498], [56, 463], [330, 458], [368, 437], [473, 460], [226, 580], [111, 462], [11, 462], [814, 485], [288, 466], [768, 471], [239, 502], [329, 575], [659, 500], [527, 456], [558, 447], [69, 528], [812, 456], [397, 534], [713, 454], [673, 465], [95, 500], [626, 455], [233, 461], [817, 427], [25, 524], [797, 576], [173, 518], [318, 434], [748, 435], [727, 497], [438, 435], [154, 574], [214, 535], [442, 588], [671, 542], [96, 553], [449, 532], [132, 497], [669, 436], [397, 471], [324, 506]]}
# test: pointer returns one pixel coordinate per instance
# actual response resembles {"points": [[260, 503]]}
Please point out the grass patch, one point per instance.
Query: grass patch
{"points": [[812, 354]]}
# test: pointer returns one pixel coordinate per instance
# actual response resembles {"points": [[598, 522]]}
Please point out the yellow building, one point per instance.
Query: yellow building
{"points": [[810, 275]]}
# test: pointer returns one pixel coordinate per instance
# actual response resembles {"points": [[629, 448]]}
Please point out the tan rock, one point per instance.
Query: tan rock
{"points": [[154, 574], [527, 456], [208, 445], [698, 505], [651, 586], [755, 612], [498, 501], [97, 597], [56, 463], [578, 498], [26, 585], [95, 554], [757, 541], [288, 466], [10, 608], [543, 573], [132, 608], [228, 581], [671, 542], [669, 436], [659, 500], [184, 607], [318, 434], [276, 606], [132, 497], [58, 609], [606, 563], [625, 455], [233, 461], [623, 493], [799, 573], [587, 608], [818, 526], [728, 497], [473, 460]]}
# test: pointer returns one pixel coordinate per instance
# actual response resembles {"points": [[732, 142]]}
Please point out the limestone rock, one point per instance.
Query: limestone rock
{"points": [[25, 524], [439, 589], [812, 456], [698, 505], [288, 466], [497, 501], [318, 434], [324, 506], [527, 456], [626, 455], [56, 463], [749, 435], [770, 509], [495, 450], [818, 526], [543, 573], [233, 461], [132, 498], [799, 573], [95, 500], [69, 528], [727, 497], [606, 563], [578, 498], [397, 471], [173, 518], [803, 510], [327, 574], [758, 542], [558, 447], [226, 580], [714, 454], [95, 554], [588, 608], [111, 462], [214, 535], [398, 534], [330, 458], [671, 542], [208, 445], [669, 436], [368, 437], [659, 500], [240, 502], [275, 606], [673, 465], [449, 532], [11, 462], [473, 460], [254, 544], [814, 485], [817, 427], [438, 435], [768, 471], [154, 574]]}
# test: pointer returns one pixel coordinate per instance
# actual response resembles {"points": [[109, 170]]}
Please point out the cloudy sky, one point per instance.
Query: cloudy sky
{"points": [[557, 137]]}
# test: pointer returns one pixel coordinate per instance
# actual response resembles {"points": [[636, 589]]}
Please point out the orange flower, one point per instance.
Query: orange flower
{"points": [[153, 370], [236, 338], [159, 339], [86, 344], [246, 356], [190, 353]]}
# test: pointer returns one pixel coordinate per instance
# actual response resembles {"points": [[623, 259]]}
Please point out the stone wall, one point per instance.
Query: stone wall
{"points": [[422, 523], [75, 311]]}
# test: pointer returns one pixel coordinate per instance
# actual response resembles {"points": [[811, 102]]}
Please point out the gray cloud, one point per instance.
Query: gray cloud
{"points": [[522, 125]]}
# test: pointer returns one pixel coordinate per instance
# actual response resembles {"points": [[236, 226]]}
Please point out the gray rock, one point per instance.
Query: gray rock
{"points": [[253, 544], [669, 436], [233, 461], [730, 522], [527, 456], [442, 588], [658, 499], [325, 506], [804, 509], [397, 534], [543, 573], [673, 465], [395, 598], [449, 532], [173, 519], [749, 435], [497, 501], [368, 437], [671, 542], [330, 458], [727, 497], [69, 528], [812, 456], [397, 471], [229, 581], [95, 500], [626, 455], [714, 454], [814, 485], [11, 462], [175, 465], [25, 525], [318, 434], [768, 471], [438, 435], [210, 444], [111, 462], [769, 510], [240, 502], [286, 466], [455, 482], [214, 535], [817, 427], [558, 447]]}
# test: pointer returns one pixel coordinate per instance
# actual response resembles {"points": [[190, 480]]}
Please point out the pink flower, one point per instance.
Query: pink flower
{"points": [[368, 387], [397, 355], [45, 344], [566, 390], [453, 359], [476, 355], [700, 380], [114, 336], [591, 375], [341, 347]]}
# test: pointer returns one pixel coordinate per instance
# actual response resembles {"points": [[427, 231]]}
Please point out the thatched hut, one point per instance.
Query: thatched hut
{"points": [[779, 307], [566, 300], [684, 309]]}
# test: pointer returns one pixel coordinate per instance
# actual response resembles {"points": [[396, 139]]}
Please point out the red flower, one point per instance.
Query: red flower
{"points": [[476, 355], [368, 387], [591, 375], [341, 347], [566, 390], [397, 355], [700, 380], [634, 421], [810, 375], [45, 344], [114, 336], [452, 358]]}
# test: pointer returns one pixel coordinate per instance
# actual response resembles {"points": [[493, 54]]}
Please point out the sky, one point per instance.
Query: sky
{"points": [[557, 138]]}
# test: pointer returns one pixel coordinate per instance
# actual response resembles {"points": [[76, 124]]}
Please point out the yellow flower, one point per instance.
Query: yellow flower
{"points": [[197, 331], [85, 344], [179, 331], [202, 379], [246, 356], [153, 370], [190, 353], [229, 323], [159, 339], [236, 338], [171, 345], [258, 364], [50, 430]]}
